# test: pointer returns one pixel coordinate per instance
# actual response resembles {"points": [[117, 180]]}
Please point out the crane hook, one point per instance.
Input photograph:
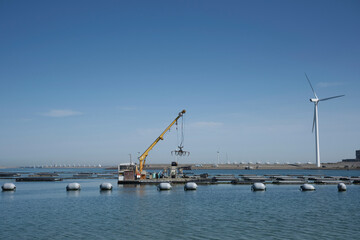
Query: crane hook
{"points": [[180, 152]]}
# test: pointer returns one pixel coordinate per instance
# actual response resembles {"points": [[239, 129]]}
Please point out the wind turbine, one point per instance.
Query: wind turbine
{"points": [[316, 101]]}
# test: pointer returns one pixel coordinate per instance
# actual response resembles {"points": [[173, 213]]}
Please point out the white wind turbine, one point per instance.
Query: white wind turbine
{"points": [[316, 101]]}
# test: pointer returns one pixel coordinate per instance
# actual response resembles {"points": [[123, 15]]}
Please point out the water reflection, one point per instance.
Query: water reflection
{"points": [[258, 192], [73, 193], [8, 195], [139, 190], [164, 192], [105, 192]]}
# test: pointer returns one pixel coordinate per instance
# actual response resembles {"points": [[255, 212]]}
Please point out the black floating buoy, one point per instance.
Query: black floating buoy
{"points": [[307, 187], [73, 187], [8, 187], [190, 186], [106, 186], [258, 187], [164, 186], [341, 187]]}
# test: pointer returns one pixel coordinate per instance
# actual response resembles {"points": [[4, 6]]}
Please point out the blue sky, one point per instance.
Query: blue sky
{"points": [[89, 82]]}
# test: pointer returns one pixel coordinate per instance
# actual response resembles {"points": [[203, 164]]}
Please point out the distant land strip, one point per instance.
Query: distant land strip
{"points": [[251, 166], [330, 166]]}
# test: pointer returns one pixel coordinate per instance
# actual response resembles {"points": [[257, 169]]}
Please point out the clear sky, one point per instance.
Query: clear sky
{"points": [[90, 82]]}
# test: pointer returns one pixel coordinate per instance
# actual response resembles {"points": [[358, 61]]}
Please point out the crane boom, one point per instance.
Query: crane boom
{"points": [[142, 158]]}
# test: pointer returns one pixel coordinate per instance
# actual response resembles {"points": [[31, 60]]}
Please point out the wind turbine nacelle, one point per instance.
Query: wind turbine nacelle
{"points": [[314, 100]]}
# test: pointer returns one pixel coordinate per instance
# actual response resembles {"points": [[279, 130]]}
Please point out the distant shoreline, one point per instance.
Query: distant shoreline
{"points": [[325, 166]]}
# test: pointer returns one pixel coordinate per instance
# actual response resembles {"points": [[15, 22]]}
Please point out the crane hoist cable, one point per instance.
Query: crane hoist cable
{"points": [[180, 152]]}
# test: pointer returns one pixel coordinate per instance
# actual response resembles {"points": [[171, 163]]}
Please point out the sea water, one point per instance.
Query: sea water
{"points": [[45, 210]]}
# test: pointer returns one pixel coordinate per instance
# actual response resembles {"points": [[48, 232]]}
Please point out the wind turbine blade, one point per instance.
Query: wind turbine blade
{"points": [[311, 86], [314, 119], [330, 98]]}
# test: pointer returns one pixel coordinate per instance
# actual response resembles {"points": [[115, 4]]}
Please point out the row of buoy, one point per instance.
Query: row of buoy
{"points": [[254, 187], [77, 187], [308, 187], [167, 186], [69, 187], [304, 187], [189, 186]]}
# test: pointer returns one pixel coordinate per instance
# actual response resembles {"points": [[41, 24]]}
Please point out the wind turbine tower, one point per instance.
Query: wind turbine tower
{"points": [[316, 101]]}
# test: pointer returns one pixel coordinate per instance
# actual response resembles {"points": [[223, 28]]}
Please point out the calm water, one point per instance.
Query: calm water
{"points": [[44, 210]]}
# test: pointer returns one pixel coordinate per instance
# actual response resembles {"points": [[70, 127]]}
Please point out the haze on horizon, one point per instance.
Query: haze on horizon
{"points": [[90, 82]]}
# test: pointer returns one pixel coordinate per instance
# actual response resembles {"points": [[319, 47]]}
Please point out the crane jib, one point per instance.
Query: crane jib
{"points": [[142, 158]]}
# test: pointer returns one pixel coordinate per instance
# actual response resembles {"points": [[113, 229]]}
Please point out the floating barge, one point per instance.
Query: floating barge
{"points": [[38, 179], [167, 180], [9, 175]]}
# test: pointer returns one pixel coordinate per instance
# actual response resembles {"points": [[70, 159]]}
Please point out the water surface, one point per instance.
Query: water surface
{"points": [[44, 210]]}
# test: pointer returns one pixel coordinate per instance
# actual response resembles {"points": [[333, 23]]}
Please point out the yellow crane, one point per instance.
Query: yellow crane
{"points": [[142, 158]]}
